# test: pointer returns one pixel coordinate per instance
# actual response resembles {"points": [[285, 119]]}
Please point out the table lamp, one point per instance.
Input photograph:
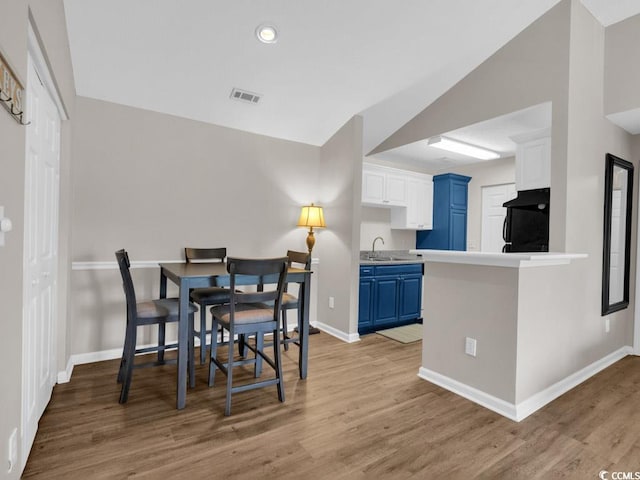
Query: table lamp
{"points": [[311, 216]]}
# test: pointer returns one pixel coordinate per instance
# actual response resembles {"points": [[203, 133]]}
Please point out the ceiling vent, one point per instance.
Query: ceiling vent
{"points": [[245, 96]]}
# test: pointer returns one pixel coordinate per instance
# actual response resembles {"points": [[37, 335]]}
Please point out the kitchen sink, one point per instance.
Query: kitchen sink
{"points": [[380, 259]]}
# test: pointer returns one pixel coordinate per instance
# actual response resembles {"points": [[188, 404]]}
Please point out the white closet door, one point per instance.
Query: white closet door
{"points": [[40, 255]]}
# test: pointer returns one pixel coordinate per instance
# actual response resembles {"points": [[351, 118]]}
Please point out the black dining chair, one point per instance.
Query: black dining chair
{"points": [[153, 312], [290, 301], [206, 297], [248, 313]]}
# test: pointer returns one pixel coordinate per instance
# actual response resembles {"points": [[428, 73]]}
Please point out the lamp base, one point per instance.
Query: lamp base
{"points": [[311, 239], [312, 330]]}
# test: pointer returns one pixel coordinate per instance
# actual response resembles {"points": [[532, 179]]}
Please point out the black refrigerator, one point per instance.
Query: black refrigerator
{"points": [[526, 225]]}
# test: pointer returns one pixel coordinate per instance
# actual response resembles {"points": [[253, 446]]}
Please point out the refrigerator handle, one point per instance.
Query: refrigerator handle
{"points": [[505, 227]]}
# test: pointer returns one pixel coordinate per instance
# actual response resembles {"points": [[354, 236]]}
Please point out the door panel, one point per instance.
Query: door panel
{"points": [[410, 297], [493, 214], [41, 254], [386, 300]]}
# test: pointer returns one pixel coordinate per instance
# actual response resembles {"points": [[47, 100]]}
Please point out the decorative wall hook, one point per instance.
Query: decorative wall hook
{"points": [[12, 96], [18, 114]]}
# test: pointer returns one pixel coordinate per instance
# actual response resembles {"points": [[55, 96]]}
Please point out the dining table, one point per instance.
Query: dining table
{"points": [[188, 276]]}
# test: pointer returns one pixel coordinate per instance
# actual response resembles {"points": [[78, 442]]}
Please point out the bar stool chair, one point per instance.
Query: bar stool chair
{"points": [[153, 312], [289, 301], [250, 313], [206, 297]]}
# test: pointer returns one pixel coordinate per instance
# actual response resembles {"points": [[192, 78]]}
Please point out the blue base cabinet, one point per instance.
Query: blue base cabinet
{"points": [[390, 296], [449, 214]]}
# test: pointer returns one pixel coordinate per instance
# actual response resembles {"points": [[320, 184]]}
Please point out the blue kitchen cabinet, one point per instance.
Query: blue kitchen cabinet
{"points": [[365, 305], [410, 297], [450, 194], [390, 296]]}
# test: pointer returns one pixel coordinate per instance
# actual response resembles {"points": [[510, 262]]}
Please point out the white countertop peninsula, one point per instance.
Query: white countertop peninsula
{"points": [[514, 260], [512, 309]]}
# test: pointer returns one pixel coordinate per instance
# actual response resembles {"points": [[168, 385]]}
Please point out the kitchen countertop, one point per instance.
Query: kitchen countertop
{"points": [[513, 260], [389, 257]]}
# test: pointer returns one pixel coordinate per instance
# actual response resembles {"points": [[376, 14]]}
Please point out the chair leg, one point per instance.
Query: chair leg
{"points": [[128, 359], [214, 352], [257, 368], [161, 341], [203, 334], [125, 351], [285, 330], [191, 354], [278, 361], [227, 406], [242, 347]]}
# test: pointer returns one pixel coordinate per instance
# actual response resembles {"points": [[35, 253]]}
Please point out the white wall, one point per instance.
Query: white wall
{"points": [[377, 222], [495, 172]]}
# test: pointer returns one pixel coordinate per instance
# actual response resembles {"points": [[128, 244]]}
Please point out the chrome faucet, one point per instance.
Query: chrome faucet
{"points": [[373, 247]]}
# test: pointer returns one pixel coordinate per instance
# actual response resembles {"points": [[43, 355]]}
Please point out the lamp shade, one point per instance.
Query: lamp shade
{"points": [[311, 216]]}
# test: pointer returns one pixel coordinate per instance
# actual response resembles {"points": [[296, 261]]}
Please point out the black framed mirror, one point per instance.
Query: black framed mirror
{"points": [[616, 250]]}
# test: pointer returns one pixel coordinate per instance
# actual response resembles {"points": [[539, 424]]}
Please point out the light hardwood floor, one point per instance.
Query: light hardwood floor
{"points": [[362, 414]]}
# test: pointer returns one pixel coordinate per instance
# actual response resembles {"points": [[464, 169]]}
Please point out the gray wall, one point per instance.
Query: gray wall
{"points": [[338, 247], [49, 21], [153, 184], [477, 302], [532, 68], [622, 66], [590, 137], [562, 56]]}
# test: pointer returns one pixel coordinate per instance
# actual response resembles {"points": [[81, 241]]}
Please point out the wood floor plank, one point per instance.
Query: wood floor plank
{"points": [[362, 413]]}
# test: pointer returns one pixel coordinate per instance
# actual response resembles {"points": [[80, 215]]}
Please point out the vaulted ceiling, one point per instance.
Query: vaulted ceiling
{"points": [[382, 59]]}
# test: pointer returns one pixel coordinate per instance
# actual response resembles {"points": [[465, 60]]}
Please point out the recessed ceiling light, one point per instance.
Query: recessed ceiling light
{"points": [[456, 146], [267, 34]]}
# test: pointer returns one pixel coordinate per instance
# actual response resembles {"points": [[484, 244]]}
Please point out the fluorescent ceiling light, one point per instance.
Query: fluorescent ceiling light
{"points": [[267, 34], [445, 143]]}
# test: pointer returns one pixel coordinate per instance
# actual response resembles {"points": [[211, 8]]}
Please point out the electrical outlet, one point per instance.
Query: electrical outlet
{"points": [[332, 302], [470, 346], [13, 450], [607, 325]]}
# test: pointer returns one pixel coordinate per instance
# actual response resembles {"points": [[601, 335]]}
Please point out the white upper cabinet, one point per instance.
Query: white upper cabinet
{"points": [[383, 186], [533, 160], [409, 195], [418, 214]]}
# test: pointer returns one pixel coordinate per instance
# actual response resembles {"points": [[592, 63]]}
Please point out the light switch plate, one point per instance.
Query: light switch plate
{"points": [[470, 346], [1, 233]]}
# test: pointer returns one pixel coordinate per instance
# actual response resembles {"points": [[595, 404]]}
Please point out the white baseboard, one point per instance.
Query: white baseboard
{"points": [[91, 357], [65, 375], [540, 399], [345, 337], [81, 358], [534, 403], [496, 404]]}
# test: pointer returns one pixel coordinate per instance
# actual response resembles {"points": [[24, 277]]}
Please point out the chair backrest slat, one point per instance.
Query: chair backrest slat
{"points": [[256, 269], [298, 259], [205, 254], [127, 283], [303, 259]]}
